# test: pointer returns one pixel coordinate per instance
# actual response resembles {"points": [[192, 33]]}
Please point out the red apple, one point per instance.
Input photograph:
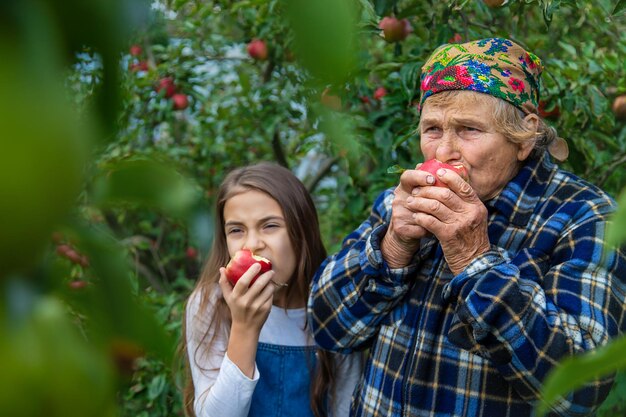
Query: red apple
{"points": [[167, 85], [257, 49], [77, 284], [433, 165], [139, 66], [242, 261], [619, 107], [135, 50], [180, 101], [548, 114], [380, 93], [394, 29], [457, 38], [70, 253], [191, 252]]}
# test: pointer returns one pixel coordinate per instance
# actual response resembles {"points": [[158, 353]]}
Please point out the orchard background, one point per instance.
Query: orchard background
{"points": [[119, 118]]}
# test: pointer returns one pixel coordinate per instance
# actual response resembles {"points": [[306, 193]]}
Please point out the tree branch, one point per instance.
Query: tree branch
{"points": [[279, 153], [312, 182]]}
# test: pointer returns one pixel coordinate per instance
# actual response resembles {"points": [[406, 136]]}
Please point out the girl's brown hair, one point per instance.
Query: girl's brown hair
{"points": [[304, 234]]}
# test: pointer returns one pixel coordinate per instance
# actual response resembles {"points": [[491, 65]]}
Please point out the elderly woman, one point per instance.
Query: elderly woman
{"points": [[467, 295]]}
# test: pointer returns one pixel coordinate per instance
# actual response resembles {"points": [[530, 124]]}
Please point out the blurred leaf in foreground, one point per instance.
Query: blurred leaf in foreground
{"points": [[43, 158], [574, 372], [49, 369]]}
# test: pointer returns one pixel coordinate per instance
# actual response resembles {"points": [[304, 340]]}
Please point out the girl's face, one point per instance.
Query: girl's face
{"points": [[254, 220]]}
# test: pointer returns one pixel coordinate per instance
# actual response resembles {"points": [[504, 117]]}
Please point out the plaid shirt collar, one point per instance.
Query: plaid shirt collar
{"points": [[518, 199]]}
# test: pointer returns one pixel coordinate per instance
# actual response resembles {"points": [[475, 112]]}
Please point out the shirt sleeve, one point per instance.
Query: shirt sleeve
{"points": [[354, 290], [220, 388], [560, 296]]}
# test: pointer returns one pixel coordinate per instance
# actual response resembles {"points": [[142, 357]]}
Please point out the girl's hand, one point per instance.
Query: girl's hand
{"points": [[249, 308], [249, 304]]}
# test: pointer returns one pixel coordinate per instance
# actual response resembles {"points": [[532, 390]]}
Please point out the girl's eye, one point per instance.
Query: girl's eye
{"points": [[272, 226], [234, 230]]}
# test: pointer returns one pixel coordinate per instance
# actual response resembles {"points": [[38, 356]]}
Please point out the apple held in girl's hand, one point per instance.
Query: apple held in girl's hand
{"points": [[433, 165], [242, 261]]}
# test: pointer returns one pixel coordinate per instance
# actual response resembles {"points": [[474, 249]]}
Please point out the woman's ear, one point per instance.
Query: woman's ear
{"points": [[525, 148]]}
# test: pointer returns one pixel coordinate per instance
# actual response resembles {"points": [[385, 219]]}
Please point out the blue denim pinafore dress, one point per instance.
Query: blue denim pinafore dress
{"points": [[284, 385]]}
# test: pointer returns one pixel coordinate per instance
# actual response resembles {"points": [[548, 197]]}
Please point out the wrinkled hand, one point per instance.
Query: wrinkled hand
{"points": [[249, 305], [455, 215], [403, 235]]}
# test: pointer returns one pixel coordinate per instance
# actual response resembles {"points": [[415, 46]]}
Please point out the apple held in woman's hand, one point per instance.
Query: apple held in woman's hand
{"points": [[242, 261], [433, 165]]}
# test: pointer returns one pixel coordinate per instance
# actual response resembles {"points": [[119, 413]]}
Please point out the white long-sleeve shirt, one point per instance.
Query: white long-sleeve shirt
{"points": [[221, 389]]}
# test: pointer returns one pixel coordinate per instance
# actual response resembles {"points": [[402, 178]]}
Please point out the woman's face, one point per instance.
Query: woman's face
{"points": [[254, 220], [462, 132]]}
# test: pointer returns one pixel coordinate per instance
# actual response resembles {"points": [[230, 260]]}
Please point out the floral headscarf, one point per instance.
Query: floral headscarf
{"points": [[494, 66]]}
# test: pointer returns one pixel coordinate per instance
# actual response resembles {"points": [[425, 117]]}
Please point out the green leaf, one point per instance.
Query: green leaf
{"points": [[599, 103], [145, 182], [395, 169], [574, 372], [156, 387], [620, 8], [568, 48], [325, 37]]}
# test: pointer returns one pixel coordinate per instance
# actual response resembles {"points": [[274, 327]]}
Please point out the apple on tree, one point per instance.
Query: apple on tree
{"points": [[432, 165], [180, 101], [394, 29], [167, 86], [257, 49], [135, 50], [619, 107], [379, 93], [242, 261]]}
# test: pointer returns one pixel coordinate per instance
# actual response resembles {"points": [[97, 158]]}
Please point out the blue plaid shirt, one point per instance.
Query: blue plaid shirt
{"points": [[479, 343]]}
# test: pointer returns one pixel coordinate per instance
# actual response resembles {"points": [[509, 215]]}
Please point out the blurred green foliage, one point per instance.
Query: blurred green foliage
{"points": [[106, 187]]}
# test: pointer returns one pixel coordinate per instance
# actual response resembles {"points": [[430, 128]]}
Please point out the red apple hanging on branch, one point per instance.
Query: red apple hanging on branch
{"points": [[166, 86], [379, 93], [242, 261], [619, 107], [257, 49], [394, 29], [180, 101], [135, 50]]}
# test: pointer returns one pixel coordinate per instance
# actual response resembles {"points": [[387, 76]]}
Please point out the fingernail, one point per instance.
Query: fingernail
{"points": [[430, 179], [410, 200], [441, 172]]}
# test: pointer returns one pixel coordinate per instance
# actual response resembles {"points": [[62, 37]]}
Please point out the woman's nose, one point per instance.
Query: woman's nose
{"points": [[448, 148]]}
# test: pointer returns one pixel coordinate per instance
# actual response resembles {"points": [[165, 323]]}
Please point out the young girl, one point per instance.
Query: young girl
{"points": [[249, 348]]}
